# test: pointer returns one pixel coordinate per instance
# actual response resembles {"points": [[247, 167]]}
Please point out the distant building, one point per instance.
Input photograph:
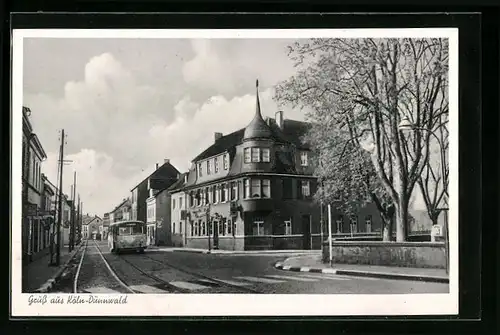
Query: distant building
{"points": [[34, 234], [121, 212], [161, 178], [178, 217]]}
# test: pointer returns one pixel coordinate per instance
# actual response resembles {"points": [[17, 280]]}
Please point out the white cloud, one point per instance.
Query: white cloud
{"points": [[187, 137], [219, 65]]}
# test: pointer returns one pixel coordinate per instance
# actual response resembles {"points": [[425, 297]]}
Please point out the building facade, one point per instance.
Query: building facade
{"points": [[33, 223], [105, 224], [159, 215], [252, 189], [178, 218], [121, 212], [161, 178]]}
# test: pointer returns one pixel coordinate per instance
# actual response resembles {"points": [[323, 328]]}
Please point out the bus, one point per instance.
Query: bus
{"points": [[127, 235]]}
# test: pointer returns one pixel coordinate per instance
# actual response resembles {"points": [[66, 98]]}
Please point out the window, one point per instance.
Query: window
{"points": [[180, 202], [303, 158], [217, 194], [226, 161], [200, 170], [208, 168], [247, 155], [192, 228], [305, 188], [229, 227], [211, 228], [258, 228], [234, 190], [207, 192], [255, 188], [368, 223], [354, 224], [338, 223], [225, 193], [247, 188], [216, 162], [173, 227], [221, 228], [288, 227], [266, 188], [180, 227], [203, 232], [173, 203], [266, 155], [255, 155]]}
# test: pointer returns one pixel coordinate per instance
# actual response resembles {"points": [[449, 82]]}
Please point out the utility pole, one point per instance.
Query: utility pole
{"points": [[78, 219], [330, 233], [72, 226], [60, 218]]}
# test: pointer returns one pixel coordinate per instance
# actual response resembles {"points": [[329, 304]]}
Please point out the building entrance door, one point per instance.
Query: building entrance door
{"points": [[306, 231]]}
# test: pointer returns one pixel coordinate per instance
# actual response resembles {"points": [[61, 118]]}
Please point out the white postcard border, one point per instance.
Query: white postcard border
{"points": [[237, 304]]}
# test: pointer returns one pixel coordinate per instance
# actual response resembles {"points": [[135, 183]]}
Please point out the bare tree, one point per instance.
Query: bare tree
{"points": [[368, 86]]}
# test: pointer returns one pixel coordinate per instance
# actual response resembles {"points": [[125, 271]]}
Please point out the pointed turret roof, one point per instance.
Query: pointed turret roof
{"points": [[257, 128]]}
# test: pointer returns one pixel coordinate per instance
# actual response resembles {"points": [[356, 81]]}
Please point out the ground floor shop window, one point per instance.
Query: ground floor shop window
{"points": [[368, 223], [258, 228], [338, 223], [288, 227]]}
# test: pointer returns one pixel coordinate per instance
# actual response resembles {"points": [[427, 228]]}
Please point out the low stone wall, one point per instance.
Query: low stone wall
{"points": [[405, 254]]}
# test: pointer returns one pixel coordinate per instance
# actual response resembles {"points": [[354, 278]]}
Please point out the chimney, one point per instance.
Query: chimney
{"points": [[217, 136], [279, 119], [157, 166], [166, 160]]}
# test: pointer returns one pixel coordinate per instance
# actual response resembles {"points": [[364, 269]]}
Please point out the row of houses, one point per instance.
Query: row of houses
{"points": [[248, 190], [40, 200]]}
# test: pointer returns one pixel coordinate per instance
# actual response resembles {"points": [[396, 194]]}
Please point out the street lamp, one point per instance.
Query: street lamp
{"points": [[406, 124]]}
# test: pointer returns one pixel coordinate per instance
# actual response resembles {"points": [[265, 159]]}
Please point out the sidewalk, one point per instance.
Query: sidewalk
{"points": [[234, 252], [313, 263], [39, 272]]}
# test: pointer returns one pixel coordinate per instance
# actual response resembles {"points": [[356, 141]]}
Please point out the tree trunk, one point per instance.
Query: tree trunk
{"points": [[402, 219], [387, 222]]}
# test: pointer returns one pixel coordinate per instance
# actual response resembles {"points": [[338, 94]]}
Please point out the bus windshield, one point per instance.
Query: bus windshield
{"points": [[131, 229]]}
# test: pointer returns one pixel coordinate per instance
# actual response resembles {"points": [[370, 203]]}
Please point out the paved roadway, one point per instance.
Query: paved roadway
{"points": [[183, 272]]}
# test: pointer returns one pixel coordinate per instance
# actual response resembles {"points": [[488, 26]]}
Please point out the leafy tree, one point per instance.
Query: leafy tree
{"points": [[366, 87], [346, 176]]}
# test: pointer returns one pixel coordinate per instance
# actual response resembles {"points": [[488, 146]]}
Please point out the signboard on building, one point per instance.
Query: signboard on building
{"points": [[31, 209]]}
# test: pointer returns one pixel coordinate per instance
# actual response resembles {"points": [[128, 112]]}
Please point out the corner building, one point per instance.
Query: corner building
{"points": [[252, 189]]}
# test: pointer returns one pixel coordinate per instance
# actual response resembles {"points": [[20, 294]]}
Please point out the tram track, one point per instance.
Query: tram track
{"points": [[216, 283], [207, 278]]}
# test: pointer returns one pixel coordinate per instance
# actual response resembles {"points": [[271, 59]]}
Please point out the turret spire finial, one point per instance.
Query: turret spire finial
{"points": [[257, 111]]}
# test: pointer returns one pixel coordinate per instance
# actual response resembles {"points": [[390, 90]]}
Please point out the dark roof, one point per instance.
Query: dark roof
{"points": [[292, 132], [222, 144], [257, 128], [120, 205], [178, 184], [171, 170]]}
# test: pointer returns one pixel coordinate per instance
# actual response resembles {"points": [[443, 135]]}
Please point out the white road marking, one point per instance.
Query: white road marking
{"points": [[101, 289], [147, 289], [260, 280], [235, 283], [292, 278], [319, 277], [187, 285]]}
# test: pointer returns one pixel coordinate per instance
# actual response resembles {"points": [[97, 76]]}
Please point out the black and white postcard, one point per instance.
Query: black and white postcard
{"points": [[246, 172]]}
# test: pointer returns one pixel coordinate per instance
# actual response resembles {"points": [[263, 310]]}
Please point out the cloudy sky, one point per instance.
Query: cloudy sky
{"points": [[127, 104]]}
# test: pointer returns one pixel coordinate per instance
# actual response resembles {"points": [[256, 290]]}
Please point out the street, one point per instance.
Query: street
{"points": [[182, 272]]}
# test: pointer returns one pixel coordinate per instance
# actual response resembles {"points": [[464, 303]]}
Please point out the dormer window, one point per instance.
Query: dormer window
{"points": [[216, 162], [208, 168], [257, 155], [200, 170], [226, 161], [303, 158]]}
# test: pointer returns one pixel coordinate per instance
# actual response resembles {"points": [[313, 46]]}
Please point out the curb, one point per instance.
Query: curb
{"points": [[370, 274], [49, 284], [239, 253]]}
